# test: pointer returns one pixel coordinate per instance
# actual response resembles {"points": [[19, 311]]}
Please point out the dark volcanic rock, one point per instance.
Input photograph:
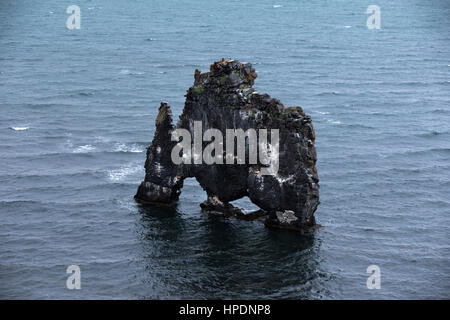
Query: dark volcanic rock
{"points": [[224, 99]]}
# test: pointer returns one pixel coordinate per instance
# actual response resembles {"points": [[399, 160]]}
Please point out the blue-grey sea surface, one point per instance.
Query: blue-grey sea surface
{"points": [[77, 111]]}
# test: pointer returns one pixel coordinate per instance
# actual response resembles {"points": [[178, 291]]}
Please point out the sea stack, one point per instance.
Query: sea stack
{"points": [[224, 99]]}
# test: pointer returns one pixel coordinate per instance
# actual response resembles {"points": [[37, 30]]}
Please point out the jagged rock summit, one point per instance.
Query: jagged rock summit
{"points": [[285, 188]]}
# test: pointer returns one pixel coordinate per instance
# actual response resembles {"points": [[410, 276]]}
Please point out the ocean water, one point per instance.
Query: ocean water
{"points": [[77, 111]]}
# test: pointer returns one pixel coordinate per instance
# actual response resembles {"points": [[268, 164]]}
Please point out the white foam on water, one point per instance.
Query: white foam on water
{"points": [[122, 147], [129, 72], [334, 121], [123, 172], [84, 149], [102, 139], [19, 128], [277, 6]]}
